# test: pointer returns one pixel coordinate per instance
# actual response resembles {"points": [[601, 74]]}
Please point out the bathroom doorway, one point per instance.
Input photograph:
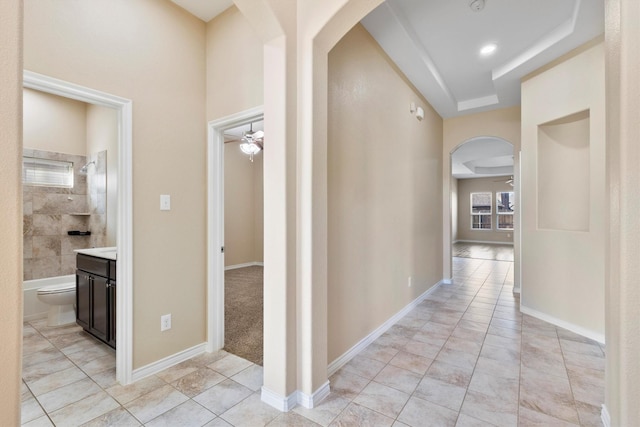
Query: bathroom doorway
{"points": [[98, 199]]}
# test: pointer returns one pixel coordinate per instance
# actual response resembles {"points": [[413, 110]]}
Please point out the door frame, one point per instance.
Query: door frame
{"points": [[124, 239], [215, 220]]}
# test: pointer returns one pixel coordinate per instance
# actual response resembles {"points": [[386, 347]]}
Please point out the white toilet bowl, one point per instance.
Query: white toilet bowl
{"points": [[61, 299]]}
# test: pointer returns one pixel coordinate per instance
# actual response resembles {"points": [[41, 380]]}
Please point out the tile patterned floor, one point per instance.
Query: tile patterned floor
{"points": [[492, 251], [464, 357]]}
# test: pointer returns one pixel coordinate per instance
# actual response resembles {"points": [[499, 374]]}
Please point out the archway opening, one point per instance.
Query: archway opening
{"points": [[484, 206]]}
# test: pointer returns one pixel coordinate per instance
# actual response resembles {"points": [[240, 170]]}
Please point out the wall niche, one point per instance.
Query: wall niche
{"points": [[563, 173]]}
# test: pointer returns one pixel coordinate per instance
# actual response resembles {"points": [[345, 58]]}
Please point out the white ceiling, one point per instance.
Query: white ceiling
{"points": [[204, 9], [482, 157], [436, 44]]}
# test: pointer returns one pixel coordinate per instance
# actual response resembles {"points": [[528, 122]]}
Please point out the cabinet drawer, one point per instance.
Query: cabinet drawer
{"points": [[112, 270], [90, 264]]}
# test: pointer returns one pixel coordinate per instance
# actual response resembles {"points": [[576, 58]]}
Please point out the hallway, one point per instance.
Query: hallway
{"points": [[464, 356]]}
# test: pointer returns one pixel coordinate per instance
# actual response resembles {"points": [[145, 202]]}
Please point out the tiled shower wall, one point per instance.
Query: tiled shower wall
{"points": [[49, 212]]}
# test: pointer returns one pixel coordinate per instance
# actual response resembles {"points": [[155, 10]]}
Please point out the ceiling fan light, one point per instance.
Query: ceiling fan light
{"points": [[250, 148]]}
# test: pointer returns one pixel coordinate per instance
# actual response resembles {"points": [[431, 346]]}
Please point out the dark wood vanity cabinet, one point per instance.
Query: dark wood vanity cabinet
{"points": [[96, 297], [112, 304]]}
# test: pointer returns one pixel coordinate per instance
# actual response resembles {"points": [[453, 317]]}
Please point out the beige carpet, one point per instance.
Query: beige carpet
{"points": [[243, 313]]}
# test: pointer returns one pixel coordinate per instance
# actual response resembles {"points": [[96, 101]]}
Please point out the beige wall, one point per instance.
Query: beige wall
{"points": [[54, 123], [623, 63], [258, 203], [102, 135], [152, 53], [623, 269], [11, 224], [563, 268], [476, 185], [384, 170], [243, 206], [234, 55], [454, 209], [505, 124], [234, 65]]}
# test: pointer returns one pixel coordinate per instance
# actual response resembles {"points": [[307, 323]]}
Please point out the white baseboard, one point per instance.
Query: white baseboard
{"points": [[353, 351], [246, 264], [286, 403], [563, 324], [313, 400], [281, 403], [167, 362], [605, 417], [36, 316], [483, 242], [447, 281], [516, 290]]}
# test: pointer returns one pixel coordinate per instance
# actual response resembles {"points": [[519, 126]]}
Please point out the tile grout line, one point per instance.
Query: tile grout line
{"points": [[458, 300], [87, 376]]}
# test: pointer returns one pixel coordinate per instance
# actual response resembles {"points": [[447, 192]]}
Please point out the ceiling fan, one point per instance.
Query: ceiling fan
{"points": [[508, 181], [251, 142]]}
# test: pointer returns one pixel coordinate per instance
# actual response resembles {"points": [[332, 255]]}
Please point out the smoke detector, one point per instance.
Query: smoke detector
{"points": [[476, 5]]}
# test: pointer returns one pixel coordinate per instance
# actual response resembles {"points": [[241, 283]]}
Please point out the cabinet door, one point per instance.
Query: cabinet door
{"points": [[83, 299], [112, 315], [100, 312]]}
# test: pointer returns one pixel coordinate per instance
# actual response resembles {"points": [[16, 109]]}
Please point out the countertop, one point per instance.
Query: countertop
{"points": [[106, 253]]}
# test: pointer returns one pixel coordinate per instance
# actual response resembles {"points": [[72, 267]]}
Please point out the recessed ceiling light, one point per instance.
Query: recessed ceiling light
{"points": [[488, 49], [476, 5]]}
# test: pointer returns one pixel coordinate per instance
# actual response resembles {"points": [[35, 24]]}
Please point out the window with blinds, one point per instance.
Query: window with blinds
{"points": [[49, 173], [504, 208], [481, 211]]}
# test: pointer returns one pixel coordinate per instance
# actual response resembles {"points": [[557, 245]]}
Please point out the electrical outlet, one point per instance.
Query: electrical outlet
{"points": [[165, 322], [410, 281]]}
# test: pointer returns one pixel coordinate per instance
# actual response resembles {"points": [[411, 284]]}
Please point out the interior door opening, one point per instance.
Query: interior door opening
{"points": [[235, 235], [243, 241], [484, 206], [105, 114]]}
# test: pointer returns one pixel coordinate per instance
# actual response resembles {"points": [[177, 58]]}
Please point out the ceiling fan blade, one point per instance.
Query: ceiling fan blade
{"points": [[258, 134]]}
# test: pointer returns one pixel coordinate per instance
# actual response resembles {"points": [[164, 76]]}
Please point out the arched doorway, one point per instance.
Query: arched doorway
{"points": [[295, 176], [484, 202]]}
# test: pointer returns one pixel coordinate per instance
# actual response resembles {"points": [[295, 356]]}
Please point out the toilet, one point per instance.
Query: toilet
{"points": [[61, 299]]}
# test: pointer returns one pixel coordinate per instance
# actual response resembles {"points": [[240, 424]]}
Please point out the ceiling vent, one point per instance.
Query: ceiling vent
{"points": [[476, 5]]}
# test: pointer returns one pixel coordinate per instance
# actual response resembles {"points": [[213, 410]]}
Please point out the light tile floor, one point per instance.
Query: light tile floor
{"points": [[495, 251], [464, 357]]}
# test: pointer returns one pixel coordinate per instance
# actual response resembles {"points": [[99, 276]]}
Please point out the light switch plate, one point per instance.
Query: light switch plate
{"points": [[165, 202]]}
